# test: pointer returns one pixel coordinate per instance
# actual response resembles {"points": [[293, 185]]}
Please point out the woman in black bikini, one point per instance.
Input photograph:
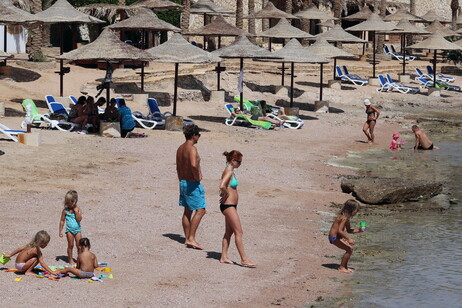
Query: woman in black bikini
{"points": [[372, 116]]}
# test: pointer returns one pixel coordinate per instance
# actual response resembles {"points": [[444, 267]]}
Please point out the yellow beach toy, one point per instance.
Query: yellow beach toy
{"points": [[4, 260]]}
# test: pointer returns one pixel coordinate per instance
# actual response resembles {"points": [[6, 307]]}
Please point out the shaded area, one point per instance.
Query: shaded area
{"points": [[316, 85], [331, 265], [18, 74], [40, 103], [213, 255], [10, 112], [305, 106], [175, 237], [209, 119], [271, 89], [62, 258]]}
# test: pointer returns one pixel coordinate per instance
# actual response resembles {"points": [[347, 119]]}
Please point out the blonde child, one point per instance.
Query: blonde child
{"points": [[339, 238], [72, 215], [31, 255], [86, 262], [395, 144]]}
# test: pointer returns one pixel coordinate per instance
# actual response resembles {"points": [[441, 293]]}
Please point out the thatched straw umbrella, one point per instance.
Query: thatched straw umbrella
{"points": [[372, 24], [240, 49], [312, 12], [270, 11], [178, 50], [9, 14], [328, 23], [406, 28], [294, 52], [435, 42], [283, 30], [207, 7], [322, 48], [437, 27], [218, 27], [431, 15], [363, 14], [63, 13], [338, 35], [157, 5], [403, 14], [107, 47]]}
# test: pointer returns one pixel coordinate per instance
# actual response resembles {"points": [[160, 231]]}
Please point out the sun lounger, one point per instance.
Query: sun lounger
{"points": [[397, 56], [10, 133], [408, 57], [293, 123], [429, 77], [352, 78], [155, 113], [398, 86], [74, 101], [439, 76], [385, 86], [241, 119], [58, 108], [424, 83]]}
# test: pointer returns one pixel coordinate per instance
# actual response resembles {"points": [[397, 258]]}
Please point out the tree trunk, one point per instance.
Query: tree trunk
{"points": [[35, 47], [337, 8], [289, 6], [185, 15], [305, 23], [240, 14], [381, 38], [454, 9], [251, 21]]}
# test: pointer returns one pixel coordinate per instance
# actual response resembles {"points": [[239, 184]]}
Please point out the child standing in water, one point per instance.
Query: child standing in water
{"points": [[31, 255], [339, 238], [86, 262], [72, 215]]}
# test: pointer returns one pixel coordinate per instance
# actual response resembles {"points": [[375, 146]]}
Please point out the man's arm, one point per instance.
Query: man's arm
{"points": [[417, 141]]}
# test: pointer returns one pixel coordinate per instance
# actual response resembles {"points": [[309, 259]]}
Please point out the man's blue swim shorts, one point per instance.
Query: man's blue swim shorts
{"points": [[192, 195]]}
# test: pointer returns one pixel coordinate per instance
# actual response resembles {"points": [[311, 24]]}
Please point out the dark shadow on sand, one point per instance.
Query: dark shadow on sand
{"points": [[20, 74], [208, 119], [175, 237], [304, 106], [271, 89], [360, 141], [40, 103], [331, 265], [62, 258], [10, 112], [213, 255]]}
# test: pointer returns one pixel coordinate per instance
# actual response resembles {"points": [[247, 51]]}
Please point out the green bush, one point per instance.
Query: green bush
{"points": [[454, 56], [38, 56]]}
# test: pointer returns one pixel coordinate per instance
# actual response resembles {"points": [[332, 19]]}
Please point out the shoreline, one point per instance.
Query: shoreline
{"points": [[128, 193]]}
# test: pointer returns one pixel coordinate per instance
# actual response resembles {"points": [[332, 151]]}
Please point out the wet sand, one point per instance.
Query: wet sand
{"points": [[128, 193]]}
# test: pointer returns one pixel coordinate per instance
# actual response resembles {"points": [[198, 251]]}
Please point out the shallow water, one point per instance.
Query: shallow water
{"points": [[411, 258]]}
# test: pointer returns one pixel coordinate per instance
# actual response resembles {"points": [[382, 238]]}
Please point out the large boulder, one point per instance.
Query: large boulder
{"points": [[389, 190]]}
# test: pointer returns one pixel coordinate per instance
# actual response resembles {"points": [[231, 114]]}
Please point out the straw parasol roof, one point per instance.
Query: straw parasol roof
{"points": [[285, 30], [293, 51], [312, 12], [436, 42], [337, 34], [403, 14], [179, 50], [322, 48], [363, 14], [243, 48], [63, 12], [459, 43], [208, 7], [373, 23], [107, 47], [270, 11], [145, 19], [219, 27], [157, 5], [405, 27], [437, 27], [431, 15], [9, 14]]}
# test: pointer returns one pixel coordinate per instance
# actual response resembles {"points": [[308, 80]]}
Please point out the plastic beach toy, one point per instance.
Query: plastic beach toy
{"points": [[4, 260], [362, 226], [17, 279]]}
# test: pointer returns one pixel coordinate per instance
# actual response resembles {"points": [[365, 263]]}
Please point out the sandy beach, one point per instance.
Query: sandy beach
{"points": [[128, 192]]}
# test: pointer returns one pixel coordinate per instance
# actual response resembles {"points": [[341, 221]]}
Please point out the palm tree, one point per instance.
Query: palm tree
{"points": [[289, 6], [240, 14], [382, 11], [454, 9], [36, 34], [337, 8], [186, 14], [251, 21]]}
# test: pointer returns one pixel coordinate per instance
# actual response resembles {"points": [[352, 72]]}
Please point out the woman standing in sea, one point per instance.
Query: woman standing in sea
{"points": [[372, 116]]}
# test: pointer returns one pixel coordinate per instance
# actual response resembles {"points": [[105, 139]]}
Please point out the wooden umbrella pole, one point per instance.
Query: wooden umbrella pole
{"points": [[403, 50], [61, 72], [283, 72], [218, 75], [175, 91], [242, 92], [434, 68], [373, 54], [142, 76], [4, 38], [108, 95], [320, 82], [291, 84], [335, 65]]}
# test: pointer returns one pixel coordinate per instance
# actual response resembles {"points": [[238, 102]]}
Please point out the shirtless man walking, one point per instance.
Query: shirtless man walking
{"points": [[192, 196], [422, 142]]}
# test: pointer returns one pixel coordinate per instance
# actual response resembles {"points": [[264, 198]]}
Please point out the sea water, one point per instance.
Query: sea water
{"points": [[409, 259]]}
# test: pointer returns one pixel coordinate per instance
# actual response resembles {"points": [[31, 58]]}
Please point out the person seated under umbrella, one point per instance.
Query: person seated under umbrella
{"points": [[257, 117]]}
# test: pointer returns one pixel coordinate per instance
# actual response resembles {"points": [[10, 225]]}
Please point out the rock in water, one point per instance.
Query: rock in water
{"points": [[389, 190]]}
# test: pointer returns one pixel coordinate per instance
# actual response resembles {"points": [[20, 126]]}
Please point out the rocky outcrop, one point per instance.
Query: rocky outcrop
{"points": [[389, 190]]}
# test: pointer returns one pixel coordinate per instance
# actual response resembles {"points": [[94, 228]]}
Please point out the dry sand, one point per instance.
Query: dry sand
{"points": [[128, 191]]}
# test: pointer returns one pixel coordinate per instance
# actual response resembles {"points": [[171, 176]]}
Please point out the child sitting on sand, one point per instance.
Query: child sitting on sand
{"points": [[86, 262], [395, 144], [72, 215], [30, 255], [339, 238]]}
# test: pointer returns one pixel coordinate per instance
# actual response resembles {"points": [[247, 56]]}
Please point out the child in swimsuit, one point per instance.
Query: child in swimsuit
{"points": [[72, 215], [395, 144], [86, 262], [31, 255], [339, 238]]}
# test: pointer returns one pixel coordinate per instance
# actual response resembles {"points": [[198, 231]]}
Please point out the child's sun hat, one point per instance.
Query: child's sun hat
{"points": [[395, 135]]}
